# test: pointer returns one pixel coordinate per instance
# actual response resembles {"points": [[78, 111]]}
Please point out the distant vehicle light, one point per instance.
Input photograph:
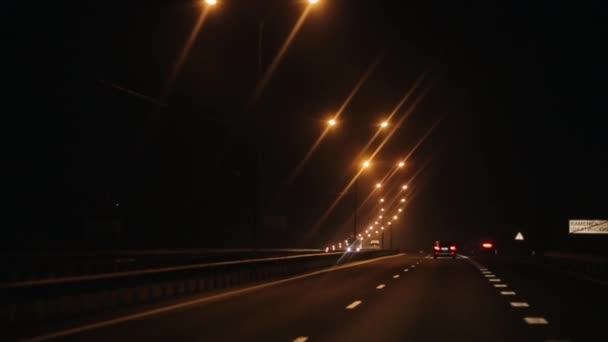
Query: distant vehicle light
{"points": [[348, 249], [358, 249], [487, 245], [452, 248], [436, 248]]}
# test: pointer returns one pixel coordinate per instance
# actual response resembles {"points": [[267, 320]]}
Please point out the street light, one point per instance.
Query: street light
{"points": [[383, 227], [384, 124], [331, 122], [400, 210], [381, 209], [366, 164], [380, 216], [404, 187], [402, 200], [382, 200], [378, 185], [211, 2], [401, 164], [312, 2], [395, 217]]}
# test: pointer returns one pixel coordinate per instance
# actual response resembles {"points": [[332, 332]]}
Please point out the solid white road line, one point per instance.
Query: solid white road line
{"points": [[380, 287], [500, 285], [535, 320], [507, 293], [396, 276], [301, 339], [181, 305], [353, 304], [519, 304]]}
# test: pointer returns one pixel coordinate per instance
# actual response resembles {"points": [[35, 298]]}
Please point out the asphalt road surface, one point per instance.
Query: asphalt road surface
{"points": [[399, 298]]}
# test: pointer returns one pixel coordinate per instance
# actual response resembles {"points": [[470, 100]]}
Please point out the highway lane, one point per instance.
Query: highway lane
{"points": [[407, 297], [575, 307]]}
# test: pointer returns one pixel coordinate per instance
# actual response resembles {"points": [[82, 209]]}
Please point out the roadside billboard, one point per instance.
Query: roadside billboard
{"points": [[588, 227]]}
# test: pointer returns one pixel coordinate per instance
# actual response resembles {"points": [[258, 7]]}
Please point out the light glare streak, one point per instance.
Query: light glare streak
{"points": [[181, 59]]}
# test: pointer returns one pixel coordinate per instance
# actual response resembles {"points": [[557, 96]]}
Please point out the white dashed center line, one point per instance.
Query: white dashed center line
{"points": [[494, 280], [489, 276], [301, 339], [535, 320], [405, 270], [520, 304], [396, 276], [500, 285], [507, 293], [381, 286], [486, 272], [413, 266], [354, 304]]}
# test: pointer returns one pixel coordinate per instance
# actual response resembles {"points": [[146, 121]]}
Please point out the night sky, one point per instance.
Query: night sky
{"points": [[516, 91]]}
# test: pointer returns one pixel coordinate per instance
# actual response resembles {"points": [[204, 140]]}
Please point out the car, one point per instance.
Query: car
{"points": [[444, 248], [487, 247], [374, 244]]}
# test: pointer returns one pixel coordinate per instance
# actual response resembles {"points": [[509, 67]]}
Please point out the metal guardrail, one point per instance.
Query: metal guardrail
{"points": [[22, 267], [63, 298]]}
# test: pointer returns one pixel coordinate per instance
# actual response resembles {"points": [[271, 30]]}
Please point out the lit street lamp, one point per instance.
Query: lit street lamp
{"points": [[384, 124], [404, 187], [331, 122], [402, 200], [312, 2], [401, 164], [378, 185]]}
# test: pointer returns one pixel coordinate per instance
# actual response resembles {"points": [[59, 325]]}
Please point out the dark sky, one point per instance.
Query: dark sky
{"points": [[518, 90]]}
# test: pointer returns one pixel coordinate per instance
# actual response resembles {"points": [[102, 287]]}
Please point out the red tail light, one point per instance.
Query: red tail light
{"points": [[487, 245], [436, 248], [452, 248]]}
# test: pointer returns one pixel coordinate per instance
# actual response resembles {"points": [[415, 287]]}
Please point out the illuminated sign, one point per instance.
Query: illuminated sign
{"points": [[588, 227]]}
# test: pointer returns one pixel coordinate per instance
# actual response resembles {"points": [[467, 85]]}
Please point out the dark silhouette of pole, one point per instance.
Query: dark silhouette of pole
{"points": [[356, 206]]}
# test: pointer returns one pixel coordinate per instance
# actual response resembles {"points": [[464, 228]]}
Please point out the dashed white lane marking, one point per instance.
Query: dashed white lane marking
{"points": [[500, 285], [507, 293], [494, 280], [301, 339], [396, 276], [489, 276], [535, 320], [486, 272], [405, 270], [353, 304], [413, 266], [520, 304], [380, 287]]}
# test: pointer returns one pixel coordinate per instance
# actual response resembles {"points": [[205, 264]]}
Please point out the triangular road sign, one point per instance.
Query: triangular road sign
{"points": [[519, 236]]}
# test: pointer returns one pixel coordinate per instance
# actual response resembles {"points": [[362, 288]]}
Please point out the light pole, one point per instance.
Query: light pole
{"points": [[364, 166]]}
